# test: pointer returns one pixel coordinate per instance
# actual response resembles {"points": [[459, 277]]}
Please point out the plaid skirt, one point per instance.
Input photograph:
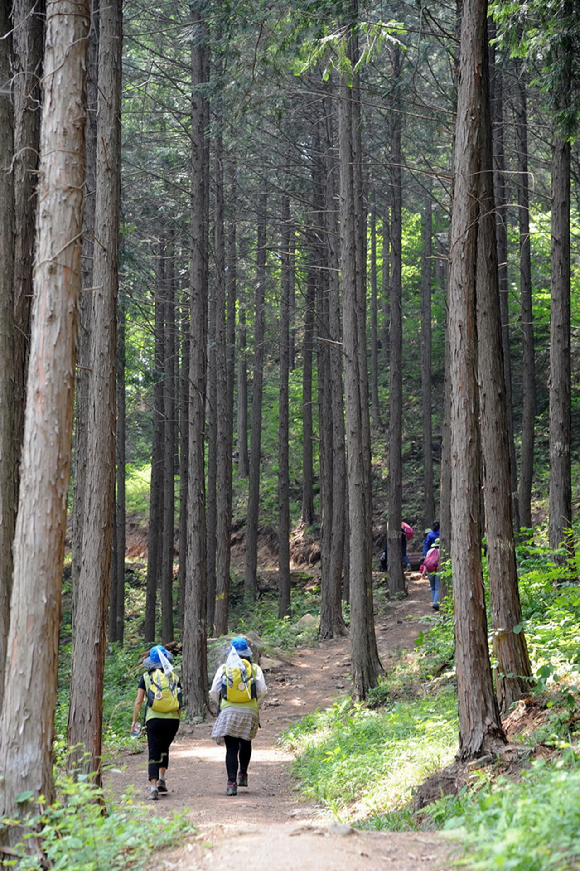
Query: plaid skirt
{"points": [[237, 722]]}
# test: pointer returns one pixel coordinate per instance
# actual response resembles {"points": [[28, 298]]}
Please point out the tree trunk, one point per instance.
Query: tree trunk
{"points": [[242, 422], [445, 481], [426, 272], [386, 290], [479, 721], [307, 370], [374, 324], [85, 313], [212, 425], [560, 364], [224, 407], [528, 356], [365, 661], [89, 636], [509, 647], [394, 562], [28, 23], [499, 193], [118, 575], [334, 518], [283, 420], [156, 501], [168, 525], [253, 515], [7, 445], [183, 454], [30, 686], [195, 610]]}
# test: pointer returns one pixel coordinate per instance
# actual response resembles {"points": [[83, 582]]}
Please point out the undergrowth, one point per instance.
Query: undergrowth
{"points": [[81, 832], [359, 762], [532, 824]]}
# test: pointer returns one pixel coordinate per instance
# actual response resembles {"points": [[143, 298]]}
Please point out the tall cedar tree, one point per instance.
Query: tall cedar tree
{"points": [[479, 721], [28, 47], [89, 636], [117, 613], [365, 660], [253, 515], [195, 594], [426, 389], [85, 311], [30, 685], [169, 367], [526, 303], [154, 542], [224, 407], [283, 422], [560, 360], [514, 668], [394, 563], [334, 497], [7, 446]]}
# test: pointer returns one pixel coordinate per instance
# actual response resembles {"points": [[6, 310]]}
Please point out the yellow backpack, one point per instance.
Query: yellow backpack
{"points": [[239, 684], [163, 692]]}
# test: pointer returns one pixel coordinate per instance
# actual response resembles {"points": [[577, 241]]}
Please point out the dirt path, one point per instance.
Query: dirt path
{"points": [[266, 824]]}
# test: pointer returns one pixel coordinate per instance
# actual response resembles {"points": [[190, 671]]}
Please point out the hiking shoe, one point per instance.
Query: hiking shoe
{"points": [[435, 606], [161, 786], [242, 779], [232, 789], [153, 794]]}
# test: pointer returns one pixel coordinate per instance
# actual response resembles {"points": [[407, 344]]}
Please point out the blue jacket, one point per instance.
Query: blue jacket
{"points": [[429, 539]]}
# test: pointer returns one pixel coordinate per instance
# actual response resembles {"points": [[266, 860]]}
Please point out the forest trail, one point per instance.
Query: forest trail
{"points": [[265, 826]]}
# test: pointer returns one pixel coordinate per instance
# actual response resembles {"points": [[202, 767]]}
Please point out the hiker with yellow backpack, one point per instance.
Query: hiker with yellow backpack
{"points": [[161, 686], [237, 687]]}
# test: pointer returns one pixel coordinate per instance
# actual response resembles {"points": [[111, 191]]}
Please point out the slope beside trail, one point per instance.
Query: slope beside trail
{"points": [[266, 825]]}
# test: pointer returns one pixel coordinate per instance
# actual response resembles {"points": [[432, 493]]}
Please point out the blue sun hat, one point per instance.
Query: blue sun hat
{"points": [[240, 645], [154, 658]]}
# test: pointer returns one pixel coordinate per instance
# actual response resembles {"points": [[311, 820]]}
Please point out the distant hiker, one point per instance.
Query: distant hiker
{"points": [[161, 686], [429, 567], [432, 532], [407, 534], [238, 686], [383, 562]]}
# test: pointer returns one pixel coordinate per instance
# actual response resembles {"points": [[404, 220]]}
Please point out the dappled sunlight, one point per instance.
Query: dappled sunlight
{"points": [[215, 753]]}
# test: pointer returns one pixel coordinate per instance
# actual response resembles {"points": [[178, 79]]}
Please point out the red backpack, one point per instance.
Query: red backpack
{"points": [[431, 563], [407, 531]]}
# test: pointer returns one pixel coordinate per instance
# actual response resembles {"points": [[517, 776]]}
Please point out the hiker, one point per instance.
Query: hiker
{"points": [[429, 567], [431, 533], [383, 562], [238, 686], [407, 534], [161, 686]]}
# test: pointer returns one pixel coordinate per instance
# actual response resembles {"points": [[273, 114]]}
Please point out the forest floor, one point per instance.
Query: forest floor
{"points": [[266, 826]]}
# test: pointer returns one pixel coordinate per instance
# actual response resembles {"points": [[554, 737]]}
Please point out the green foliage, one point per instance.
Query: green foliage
{"points": [[364, 764], [286, 634], [551, 611], [137, 489], [532, 824], [547, 33], [78, 833]]}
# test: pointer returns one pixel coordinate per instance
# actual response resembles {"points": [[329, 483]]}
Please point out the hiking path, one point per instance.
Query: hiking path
{"points": [[267, 826]]}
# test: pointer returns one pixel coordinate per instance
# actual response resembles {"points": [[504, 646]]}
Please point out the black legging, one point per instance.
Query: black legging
{"points": [[237, 747], [160, 733]]}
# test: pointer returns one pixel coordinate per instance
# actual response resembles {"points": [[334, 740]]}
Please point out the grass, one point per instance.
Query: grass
{"points": [[363, 764], [532, 824]]}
